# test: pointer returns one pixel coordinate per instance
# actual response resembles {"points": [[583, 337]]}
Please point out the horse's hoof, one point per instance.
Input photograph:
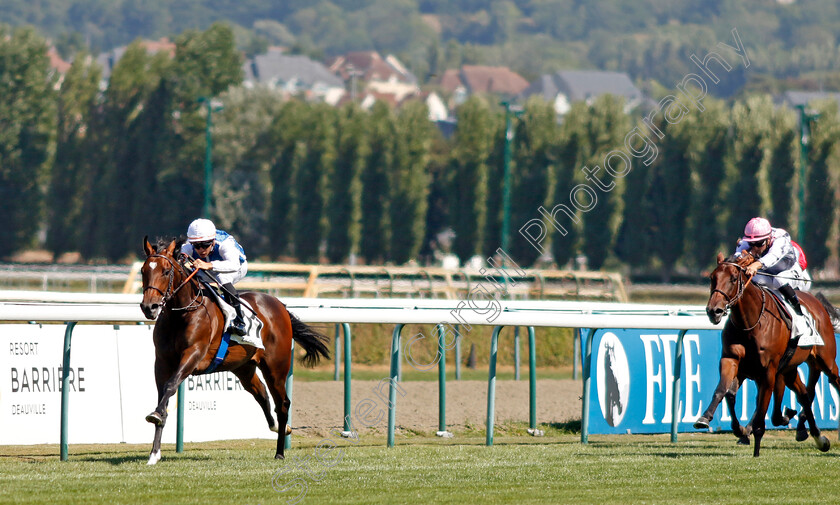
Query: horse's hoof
{"points": [[744, 440], [154, 457], [801, 435], [781, 421], [790, 413], [288, 430], [155, 419], [747, 431], [274, 429], [701, 424], [279, 456], [823, 445]]}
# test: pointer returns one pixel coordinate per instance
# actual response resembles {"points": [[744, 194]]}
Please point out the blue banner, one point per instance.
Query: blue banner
{"points": [[632, 376]]}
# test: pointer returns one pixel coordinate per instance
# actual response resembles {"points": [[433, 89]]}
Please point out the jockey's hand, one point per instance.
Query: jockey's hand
{"points": [[202, 265], [753, 268]]}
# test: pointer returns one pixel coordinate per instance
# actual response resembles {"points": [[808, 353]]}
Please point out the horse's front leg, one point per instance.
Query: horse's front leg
{"points": [[762, 402], [167, 384], [728, 379]]}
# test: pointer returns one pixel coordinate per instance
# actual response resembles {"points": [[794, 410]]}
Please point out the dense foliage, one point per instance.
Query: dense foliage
{"points": [[94, 171]]}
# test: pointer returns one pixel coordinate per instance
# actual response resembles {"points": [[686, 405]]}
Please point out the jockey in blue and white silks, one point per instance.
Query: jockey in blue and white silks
{"points": [[775, 254], [217, 251]]}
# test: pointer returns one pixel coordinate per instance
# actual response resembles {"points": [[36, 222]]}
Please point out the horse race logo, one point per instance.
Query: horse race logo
{"points": [[613, 375]]}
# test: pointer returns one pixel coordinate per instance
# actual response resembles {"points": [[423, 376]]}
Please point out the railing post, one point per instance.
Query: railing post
{"points": [[442, 384], [347, 377], [516, 352], [457, 353], [65, 391], [532, 380], [587, 379], [675, 396], [392, 392], [337, 353], [491, 385], [290, 381], [179, 433]]}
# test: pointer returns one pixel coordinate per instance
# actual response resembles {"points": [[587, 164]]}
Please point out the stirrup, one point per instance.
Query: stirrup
{"points": [[237, 326]]}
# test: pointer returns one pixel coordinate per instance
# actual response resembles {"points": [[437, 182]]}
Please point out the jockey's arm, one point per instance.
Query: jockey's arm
{"points": [[780, 257], [230, 258]]}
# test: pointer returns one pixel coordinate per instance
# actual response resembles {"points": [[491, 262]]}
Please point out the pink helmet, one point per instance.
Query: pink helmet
{"points": [[757, 229]]}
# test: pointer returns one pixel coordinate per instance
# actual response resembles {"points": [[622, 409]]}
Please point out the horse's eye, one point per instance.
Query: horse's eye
{"points": [[733, 279]]}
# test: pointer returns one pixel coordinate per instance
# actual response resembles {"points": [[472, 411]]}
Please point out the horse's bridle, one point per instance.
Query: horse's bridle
{"points": [[170, 293], [742, 285]]}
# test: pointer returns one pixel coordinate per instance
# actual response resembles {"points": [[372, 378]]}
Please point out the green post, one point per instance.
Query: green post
{"points": [[392, 391], [337, 353], [804, 135], [576, 354], [290, 379], [516, 353], [65, 390], [532, 376], [587, 379], [441, 381], [347, 369], [457, 354], [491, 385], [179, 433], [507, 182], [675, 394]]}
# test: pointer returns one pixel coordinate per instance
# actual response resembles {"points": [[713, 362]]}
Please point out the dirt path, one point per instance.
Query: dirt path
{"points": [[318, 407]]}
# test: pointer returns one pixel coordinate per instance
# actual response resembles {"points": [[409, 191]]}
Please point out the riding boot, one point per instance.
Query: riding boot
{"points": [[790, 296], [238, 324]]}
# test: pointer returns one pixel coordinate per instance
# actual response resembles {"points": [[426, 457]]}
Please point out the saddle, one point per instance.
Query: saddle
{"points": [[253, 324], [804, 337]]}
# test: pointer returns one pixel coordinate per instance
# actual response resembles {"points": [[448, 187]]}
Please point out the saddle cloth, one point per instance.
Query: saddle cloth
{"points": [[801, 327], [249, 315]]}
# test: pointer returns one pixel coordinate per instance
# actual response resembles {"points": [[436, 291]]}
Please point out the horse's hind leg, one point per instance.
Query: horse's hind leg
{"points": [[276, 382], [804, 398], [251, 382]]}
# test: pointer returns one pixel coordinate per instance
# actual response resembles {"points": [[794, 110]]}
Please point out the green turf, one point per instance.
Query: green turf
{"points": [[629, 469]]}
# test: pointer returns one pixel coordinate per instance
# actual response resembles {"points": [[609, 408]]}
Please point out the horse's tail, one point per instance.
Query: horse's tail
{"points": [[833, 312], [313, 342]]}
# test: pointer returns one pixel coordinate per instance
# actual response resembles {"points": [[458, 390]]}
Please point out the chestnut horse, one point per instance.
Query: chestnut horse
{"points": [[757, 346], [189, 330]]}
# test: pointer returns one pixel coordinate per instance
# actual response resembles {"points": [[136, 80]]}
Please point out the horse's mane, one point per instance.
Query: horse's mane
{"points": [[162, 243], [743, 260]]}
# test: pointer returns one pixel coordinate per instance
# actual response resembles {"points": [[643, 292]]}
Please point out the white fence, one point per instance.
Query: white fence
{"points": [[111, 372]]}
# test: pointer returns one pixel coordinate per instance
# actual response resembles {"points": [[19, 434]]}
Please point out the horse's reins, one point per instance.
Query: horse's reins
{"points": [[741, 288], [167, 295]]}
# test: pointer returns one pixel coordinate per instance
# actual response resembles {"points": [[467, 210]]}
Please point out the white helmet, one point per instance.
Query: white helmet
{"points": [[201, 230]]}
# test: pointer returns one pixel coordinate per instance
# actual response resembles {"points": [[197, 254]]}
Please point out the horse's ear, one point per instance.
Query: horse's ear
{"points": [[147, 247], [720, 258], [170, 249]]}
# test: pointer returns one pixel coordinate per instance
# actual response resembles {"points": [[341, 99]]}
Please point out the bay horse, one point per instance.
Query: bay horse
{"points": [[188, 332], [756, 346]]}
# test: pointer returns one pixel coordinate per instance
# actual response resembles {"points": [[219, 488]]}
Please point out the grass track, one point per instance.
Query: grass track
{"points": [[628, 469]]}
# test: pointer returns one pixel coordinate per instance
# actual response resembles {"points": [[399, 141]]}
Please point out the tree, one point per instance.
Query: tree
{"points": [[751, 124], [283, 140], [607, 128], [571, 153], [409, 181], [710, 154], [27, 105], [68, 191], [318, 158], [375, 241], [781, 170], [820, 197], [531, 171], [344, 209], [470, 151], [669, 196]]}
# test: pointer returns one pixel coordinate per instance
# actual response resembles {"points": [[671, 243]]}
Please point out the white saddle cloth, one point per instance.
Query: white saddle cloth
{"points": [[252, 324], [804, 328]]}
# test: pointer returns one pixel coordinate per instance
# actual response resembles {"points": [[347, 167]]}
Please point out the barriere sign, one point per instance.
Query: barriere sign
{"points": [[633, 373]]}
